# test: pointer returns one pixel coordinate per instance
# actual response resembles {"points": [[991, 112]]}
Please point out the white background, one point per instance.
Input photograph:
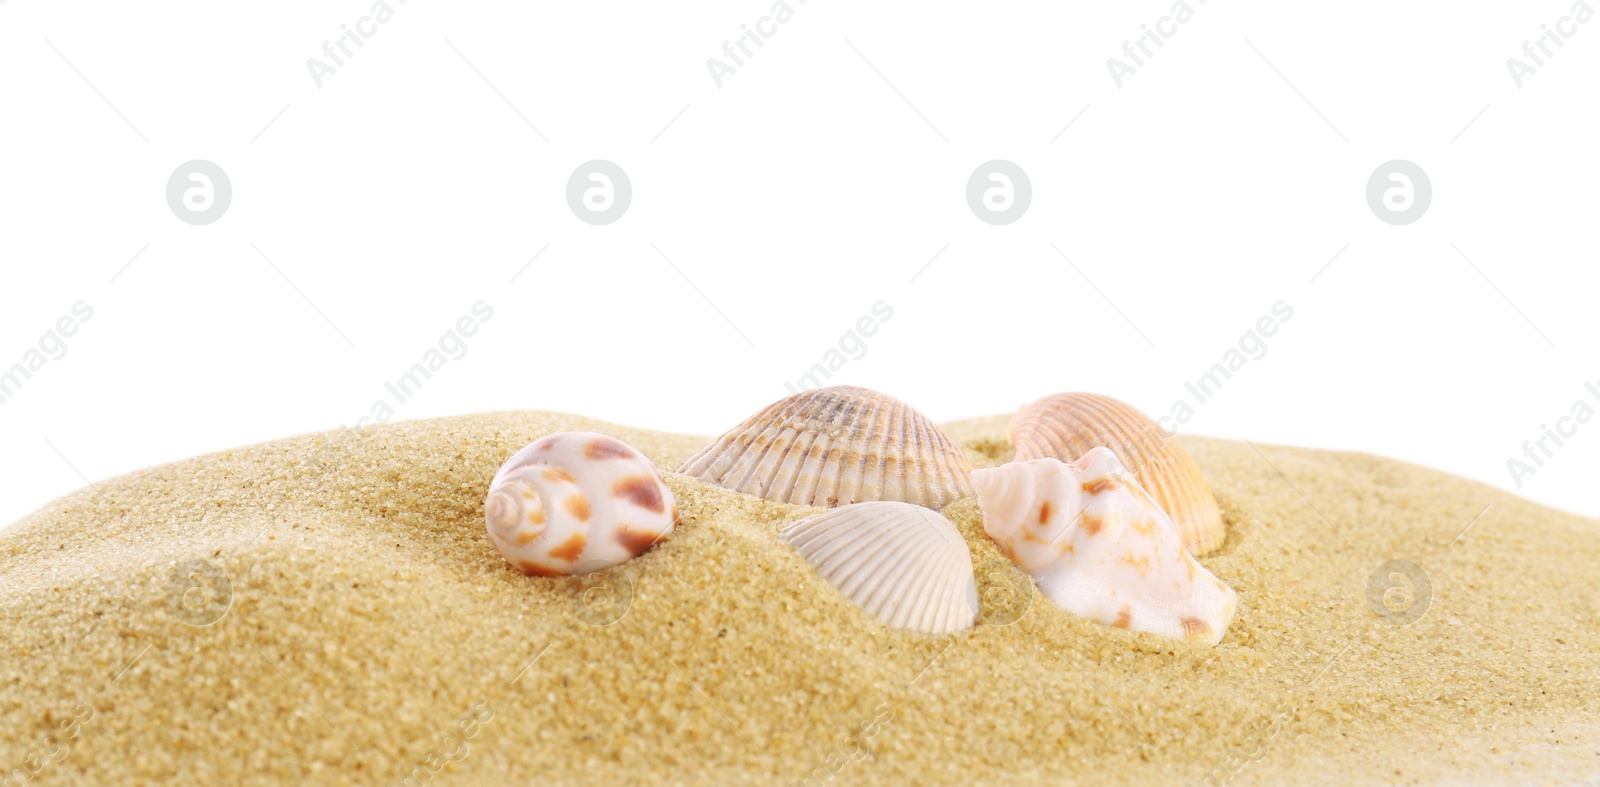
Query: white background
{"points": [[821, 177]]}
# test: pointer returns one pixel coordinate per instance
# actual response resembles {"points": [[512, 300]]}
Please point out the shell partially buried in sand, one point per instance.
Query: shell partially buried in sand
{"points": [[1065, 426], [836, 446], [904, 564], [1100, 547], [577, 499]]}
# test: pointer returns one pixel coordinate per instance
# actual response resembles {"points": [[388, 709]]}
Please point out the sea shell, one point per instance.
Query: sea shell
{"points": [[1065, 426], [905, 565], [1100, 547], [577, 499], [836, 446]]}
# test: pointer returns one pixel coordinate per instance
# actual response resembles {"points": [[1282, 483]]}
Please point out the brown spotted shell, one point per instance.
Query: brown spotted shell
{"points": [[835, 446], [1065, 426], [576, 502]]}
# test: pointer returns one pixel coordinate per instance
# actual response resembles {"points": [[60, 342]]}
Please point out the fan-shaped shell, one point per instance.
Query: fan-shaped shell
{"points": [[1100, 547], [1065, 426], [905, 565], [577, 501], [836, 446]]}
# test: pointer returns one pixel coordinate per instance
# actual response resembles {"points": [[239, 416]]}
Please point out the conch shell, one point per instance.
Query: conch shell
{"points": [[577, 500], [1100, 547], [904, 564], [835, 446], [1065, 426]]}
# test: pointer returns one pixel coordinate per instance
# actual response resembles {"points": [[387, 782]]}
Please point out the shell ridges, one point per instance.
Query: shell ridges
{"points": [[903, 564], [836, 446]]}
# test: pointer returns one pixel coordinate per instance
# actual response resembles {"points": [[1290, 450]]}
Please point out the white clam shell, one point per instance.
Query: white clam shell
{"points": [[836, 446], [577, 500], [904, 564], [1100, 547]]}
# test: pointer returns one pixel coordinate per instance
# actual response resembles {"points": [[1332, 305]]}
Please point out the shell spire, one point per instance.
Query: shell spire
{"points": [[1066, 426], [577, 501], [835, 446], [1100, 547]]}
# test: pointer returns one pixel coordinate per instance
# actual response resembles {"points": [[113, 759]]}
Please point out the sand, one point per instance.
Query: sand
{"points": [[369, 632]]}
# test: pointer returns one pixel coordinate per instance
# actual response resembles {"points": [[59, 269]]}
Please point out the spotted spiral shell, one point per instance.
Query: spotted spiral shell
{"points": [[577, 501]]}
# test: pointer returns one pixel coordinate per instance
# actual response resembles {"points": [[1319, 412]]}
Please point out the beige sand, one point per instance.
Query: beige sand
{"points": [[369, 617]]}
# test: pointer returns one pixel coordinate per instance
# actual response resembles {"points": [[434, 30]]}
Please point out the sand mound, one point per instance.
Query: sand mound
{"points": [[327, 609]]}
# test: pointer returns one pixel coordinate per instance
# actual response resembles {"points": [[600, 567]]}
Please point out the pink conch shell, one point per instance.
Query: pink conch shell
{"points": [[1100, 547], [1066, 425], [577, 499]]}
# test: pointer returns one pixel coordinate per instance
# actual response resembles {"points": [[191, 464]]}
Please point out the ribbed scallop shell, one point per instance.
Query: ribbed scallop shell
{"points": [[1065, 426], [905, 565], [836, 446]]}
